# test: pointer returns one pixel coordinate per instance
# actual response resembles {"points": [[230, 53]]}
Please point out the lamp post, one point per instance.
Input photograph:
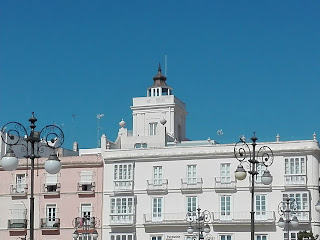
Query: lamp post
{"points": [[85, 225], [32, 144], [199, 220], [263, 156], [285, 209]]}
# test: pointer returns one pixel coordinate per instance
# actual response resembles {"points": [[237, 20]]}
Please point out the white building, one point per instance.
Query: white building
{"points": [[153, 177]]}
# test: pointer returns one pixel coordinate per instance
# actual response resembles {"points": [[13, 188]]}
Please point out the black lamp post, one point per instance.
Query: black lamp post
{"points": [[32, 144], [264, 156], [85, 225], [285, 210], [199, 220]]}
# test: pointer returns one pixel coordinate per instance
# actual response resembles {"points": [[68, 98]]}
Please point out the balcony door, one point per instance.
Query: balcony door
{"points": [[51, 211], [261, 213], [192, 174], [225, 173], [157, 175], [225, 207], [157, 209], [20, 183], [86, 213]]}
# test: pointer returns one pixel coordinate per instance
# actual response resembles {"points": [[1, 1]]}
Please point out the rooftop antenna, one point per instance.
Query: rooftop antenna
{"points": [[99, 116], [165, 65], [74, 115]]}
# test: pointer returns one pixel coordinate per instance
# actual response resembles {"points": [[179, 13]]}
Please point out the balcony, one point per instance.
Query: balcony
{"points": [[224, 185], [164, 219], [122, 219], [191, 185], [51, 189], [85, 222], [260, 187], [157, 186], [17, 224], [295, 180], [50, 223], [243, 218], [20, 189], [123, 185], [86, 188]]}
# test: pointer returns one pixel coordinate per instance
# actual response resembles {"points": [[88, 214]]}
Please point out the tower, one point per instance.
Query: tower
{"points": [[160, 103]]}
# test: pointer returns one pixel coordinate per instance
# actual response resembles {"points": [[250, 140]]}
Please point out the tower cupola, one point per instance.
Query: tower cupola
{"points": [[159, 87]]}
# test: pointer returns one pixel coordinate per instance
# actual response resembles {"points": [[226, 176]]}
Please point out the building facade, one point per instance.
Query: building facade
{"points": [[153, 177], [64, 202]]}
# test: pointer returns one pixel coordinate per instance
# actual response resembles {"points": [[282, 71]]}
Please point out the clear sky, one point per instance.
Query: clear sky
{"points": [[240, 66]]}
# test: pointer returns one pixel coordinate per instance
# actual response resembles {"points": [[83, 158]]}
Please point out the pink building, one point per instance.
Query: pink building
{"points": [[68, 201]]}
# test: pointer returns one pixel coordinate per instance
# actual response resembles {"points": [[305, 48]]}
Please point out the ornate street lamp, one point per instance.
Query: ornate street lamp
{"points": [[264, 156], [85, 225], [199, 222], [285, 210], [33, 144]]}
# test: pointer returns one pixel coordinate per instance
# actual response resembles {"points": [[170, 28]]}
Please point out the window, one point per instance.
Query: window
{"points": [[153, 128], [225, 237], [191, 174], [260, 169], [225, 207], [123, 176], [20, 183], [121, 236], [191, 238], [156, 238], [192, 203], [295, 170], [157, 209], [293, 235], [51, 184], [225, 172], [302, 204], [261, 207], [121, 209], [157, 175], [86, 180], [140, 145], [261, 237], [51, 211]]}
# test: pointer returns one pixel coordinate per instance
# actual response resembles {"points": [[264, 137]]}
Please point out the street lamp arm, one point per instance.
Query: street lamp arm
{"points": [[52, 135], [12, 133], [242, 151], [265, 155]]}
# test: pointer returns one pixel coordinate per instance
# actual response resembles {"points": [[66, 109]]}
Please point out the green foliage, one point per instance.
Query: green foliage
{"points": [[308, 235]]}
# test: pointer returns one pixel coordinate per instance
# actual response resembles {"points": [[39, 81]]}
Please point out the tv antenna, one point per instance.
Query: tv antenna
{"points": [[99, 116]]}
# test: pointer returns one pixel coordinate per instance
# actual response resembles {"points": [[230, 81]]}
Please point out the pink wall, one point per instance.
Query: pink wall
{"points": [[68, 202]]}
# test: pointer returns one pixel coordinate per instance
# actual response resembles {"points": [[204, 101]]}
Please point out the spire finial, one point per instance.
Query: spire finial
{"points": [[159, 69]]}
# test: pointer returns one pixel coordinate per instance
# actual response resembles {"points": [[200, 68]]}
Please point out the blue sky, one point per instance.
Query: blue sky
{"points": [[240, 66]]}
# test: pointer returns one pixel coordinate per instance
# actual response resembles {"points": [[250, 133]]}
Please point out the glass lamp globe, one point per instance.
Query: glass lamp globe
{"points": [[53, 164], [281, 223], [317, 207], [190, 230], [240, 173], [9, 161], [206, 228], [294, 222], [95, 234], [266, 178], [75, 234]]}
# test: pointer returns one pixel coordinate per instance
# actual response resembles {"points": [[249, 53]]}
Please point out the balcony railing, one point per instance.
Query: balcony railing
{"points": [[52, 188], [157, 186], [122, 219], [191, 184], [223, 184], [123, 185], [164, 218], [19, 189], [221, 218], [50, 223], [295, 180], [17, 223], [86, 187], [85, 222]]}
